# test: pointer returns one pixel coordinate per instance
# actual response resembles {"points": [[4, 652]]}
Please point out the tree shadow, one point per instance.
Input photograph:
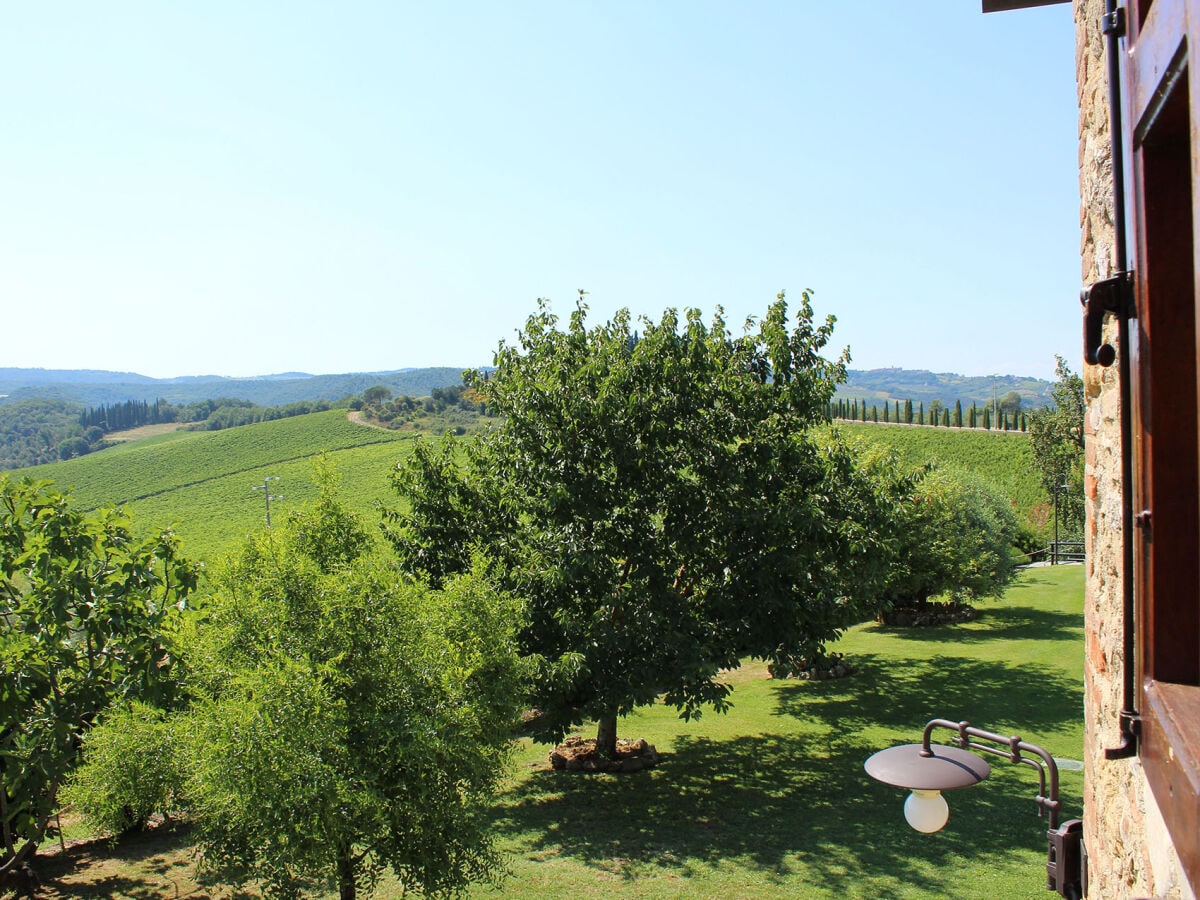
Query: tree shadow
{"points": [[776, 802], [765, 803], [1015, 623], [906, 693], [146, 865]]}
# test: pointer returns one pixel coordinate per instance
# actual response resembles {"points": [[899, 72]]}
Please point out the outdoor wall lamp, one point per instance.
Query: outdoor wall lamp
{"points": [[927, 769]]}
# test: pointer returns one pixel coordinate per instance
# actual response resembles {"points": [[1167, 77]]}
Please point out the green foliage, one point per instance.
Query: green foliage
{"points": [[1056, 435], [41, 431], [1010, 404], [920, 384], [132, 769], [346, 720], [1004, 461], [130, 414], [84, 611], [660, 503], [377, 395], [952, 534]]}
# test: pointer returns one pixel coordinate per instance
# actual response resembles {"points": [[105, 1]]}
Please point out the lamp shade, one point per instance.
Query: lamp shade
{"points": [[946, 769]]}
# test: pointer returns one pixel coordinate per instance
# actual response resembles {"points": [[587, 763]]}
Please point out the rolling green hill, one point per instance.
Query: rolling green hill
{"points": [[202, 483], [919, 385], [1003, 458]]}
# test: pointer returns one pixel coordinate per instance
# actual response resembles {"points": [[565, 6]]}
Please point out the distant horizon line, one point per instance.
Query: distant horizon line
{"points": [[296, 375]]}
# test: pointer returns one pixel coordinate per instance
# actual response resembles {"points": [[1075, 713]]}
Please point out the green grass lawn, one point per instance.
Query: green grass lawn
{"points": [[771, 800]]}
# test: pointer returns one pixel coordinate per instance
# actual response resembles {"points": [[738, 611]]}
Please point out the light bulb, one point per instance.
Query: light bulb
{"points": [[926, 811]]}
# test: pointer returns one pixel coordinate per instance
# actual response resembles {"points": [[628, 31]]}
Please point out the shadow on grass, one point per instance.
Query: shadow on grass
{"points": [[1014, 623], [774, 804], [148, 865], [780, 804], [904, 694]]}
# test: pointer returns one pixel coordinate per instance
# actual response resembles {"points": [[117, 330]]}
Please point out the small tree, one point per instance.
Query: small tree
{"points": [[1056, 436], [1010, 404], [958, 414], [377, 395], [85, 615], [346, 720]]}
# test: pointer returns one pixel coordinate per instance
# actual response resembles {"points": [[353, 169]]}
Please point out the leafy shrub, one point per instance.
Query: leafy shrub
{"points": [[953, 534], [131, 771]]}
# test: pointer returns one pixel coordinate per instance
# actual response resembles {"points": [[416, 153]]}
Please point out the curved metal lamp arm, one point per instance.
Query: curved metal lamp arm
{"points": [[1066, 867], [1047, 801]]}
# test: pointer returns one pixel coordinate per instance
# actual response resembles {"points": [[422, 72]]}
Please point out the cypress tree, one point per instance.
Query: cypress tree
{"points": [[958, 414], [886, 408], [945, 417], [908, 412], [875, 413], [921, 412]]}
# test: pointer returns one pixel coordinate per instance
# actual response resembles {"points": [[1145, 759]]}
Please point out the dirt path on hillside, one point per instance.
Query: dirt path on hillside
{"points": [[144, 431], [356, 416]]}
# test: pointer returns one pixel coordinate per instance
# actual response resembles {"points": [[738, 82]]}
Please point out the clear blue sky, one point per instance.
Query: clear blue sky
{"points": [[247, 188]]}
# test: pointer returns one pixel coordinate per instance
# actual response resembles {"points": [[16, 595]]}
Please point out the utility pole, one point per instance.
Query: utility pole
{"points": [[265, 487]]}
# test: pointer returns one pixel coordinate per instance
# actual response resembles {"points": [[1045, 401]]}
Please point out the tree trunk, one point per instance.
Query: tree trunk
{"points": [[606, 737], [345, 869]]}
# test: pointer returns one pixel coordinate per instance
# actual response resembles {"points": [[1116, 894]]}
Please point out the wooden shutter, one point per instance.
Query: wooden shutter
{"points": [[1162, 142]]}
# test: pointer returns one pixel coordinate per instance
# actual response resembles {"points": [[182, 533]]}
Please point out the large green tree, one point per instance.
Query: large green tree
{"points": [[345, 720], [85, 611], [1056, 436], [660, 501]]}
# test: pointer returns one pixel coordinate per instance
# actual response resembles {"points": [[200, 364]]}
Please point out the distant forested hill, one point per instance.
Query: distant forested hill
{"points": [[921, 385], [85, 387], [95, 388], [32, 432]]}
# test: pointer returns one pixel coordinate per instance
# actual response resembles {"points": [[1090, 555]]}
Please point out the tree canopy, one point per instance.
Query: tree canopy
{"points": [[342, 719], [952, 533], [1056, 435], [84, 615], [659, 501]]}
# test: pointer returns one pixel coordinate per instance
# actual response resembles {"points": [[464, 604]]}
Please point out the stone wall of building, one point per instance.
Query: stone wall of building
{"points": [[1129, 851]]}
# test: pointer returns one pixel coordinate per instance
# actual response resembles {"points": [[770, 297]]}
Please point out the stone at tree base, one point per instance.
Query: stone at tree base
{"points": [[578, 754], [933, 615]]}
